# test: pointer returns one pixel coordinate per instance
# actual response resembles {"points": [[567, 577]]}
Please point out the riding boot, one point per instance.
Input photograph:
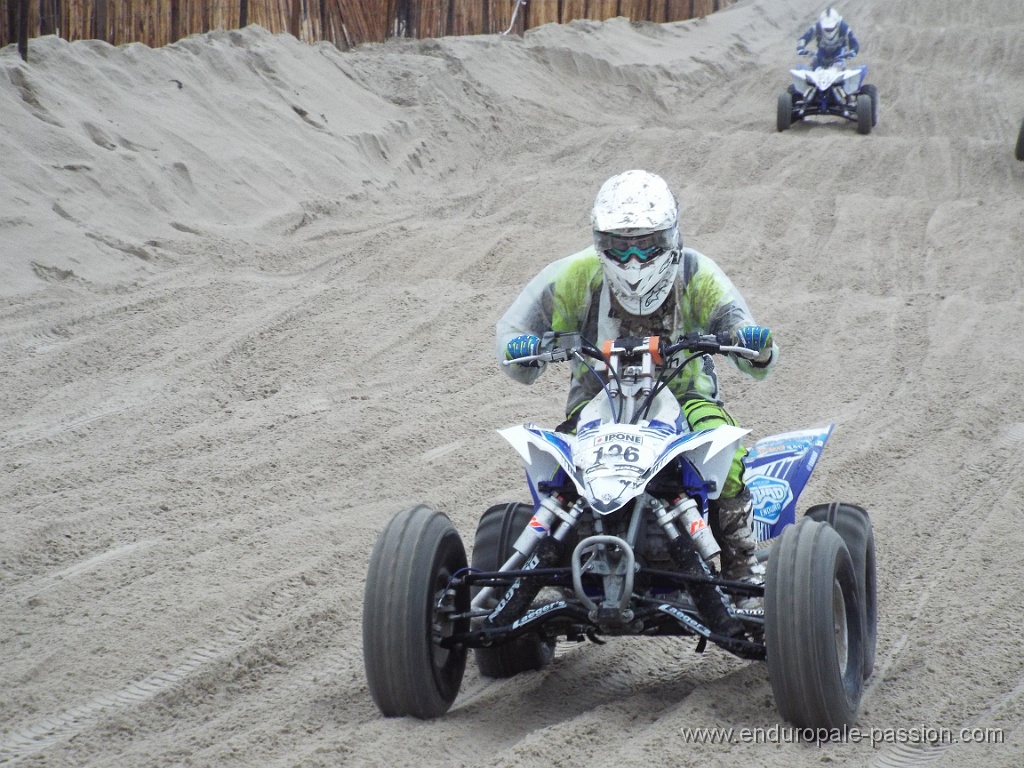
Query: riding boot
{"points": [[732, 522]]}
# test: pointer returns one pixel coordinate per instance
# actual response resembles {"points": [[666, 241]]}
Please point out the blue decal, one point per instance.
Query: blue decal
{"points": [[662, 428], [556, 440], [770, 497]]}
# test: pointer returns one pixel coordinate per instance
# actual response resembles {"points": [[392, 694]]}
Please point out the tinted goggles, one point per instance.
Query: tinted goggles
{"points": [[643, 255], [643, 248]]}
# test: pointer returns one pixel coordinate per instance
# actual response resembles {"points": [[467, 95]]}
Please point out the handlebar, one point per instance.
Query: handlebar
{"points": [[836, 58], [700, 343], [633, 351], [720, 344]]}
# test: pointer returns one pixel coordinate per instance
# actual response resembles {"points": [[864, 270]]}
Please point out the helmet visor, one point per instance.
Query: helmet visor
{"points": [[619, 249]]}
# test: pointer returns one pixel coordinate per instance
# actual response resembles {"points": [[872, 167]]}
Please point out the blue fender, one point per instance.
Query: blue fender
{"points": [[776, 471]]}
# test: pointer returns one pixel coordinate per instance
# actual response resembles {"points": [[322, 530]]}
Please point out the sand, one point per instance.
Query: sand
{"points": [[247, 297]]}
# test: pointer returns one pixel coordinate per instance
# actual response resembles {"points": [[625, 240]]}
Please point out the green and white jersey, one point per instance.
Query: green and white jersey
{"points": [[570, 296]]}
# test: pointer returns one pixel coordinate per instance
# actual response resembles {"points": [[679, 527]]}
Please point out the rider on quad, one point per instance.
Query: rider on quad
{"points": [[638, 280], [834, 39]]}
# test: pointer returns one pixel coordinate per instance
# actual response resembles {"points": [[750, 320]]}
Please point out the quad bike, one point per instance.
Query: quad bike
{"points": [[616, 542], [833, 90]]}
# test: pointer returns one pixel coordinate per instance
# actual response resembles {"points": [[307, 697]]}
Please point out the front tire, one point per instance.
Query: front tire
{"points": [[814, 631], [497, 531], [411, 568], [864, 114], [784, 112], [854, 527], [872, 91]]}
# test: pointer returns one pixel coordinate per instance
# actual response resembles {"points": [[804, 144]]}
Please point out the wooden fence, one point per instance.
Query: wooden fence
{"points": [[345, 23]]}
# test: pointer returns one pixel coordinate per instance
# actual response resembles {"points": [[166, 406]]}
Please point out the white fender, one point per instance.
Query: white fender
{"points": [[711, 452], [543, 452]]}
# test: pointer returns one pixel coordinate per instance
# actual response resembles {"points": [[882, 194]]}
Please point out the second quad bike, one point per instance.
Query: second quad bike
{"points": [[831, 90]]}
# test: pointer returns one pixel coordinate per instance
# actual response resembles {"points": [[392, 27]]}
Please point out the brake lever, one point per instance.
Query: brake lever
{"points": [[732, 349], [559, 355]]}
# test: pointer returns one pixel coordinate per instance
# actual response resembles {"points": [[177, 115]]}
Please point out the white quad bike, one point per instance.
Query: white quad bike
{"points": [[833, 90], [616, 542]]}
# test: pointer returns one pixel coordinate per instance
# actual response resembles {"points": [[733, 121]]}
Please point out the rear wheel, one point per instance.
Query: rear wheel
{"points": [[814, 631], [407, 607], [497, 531], [1019, 151], [864, 112], [854, 526], [784, 113]]}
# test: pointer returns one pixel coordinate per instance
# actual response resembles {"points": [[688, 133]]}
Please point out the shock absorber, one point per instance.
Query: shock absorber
{"points": [[708, 598], [544, 525], [684, 509], [542, 542]]}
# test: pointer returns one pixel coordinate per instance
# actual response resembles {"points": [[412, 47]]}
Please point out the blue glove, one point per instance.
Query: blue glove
{"points": [[523, 346], [756, 338], [801, 51]]}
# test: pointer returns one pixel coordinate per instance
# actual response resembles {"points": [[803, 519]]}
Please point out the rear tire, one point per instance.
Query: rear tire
{"points": [[1019, 151], [784, 112], [814, 631], [864, 111], [497, 531], [854, 526], [411, 567]]}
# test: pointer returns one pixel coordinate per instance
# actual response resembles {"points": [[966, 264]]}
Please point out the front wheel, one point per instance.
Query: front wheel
{"points": [[872, 91], [814, 631], [407, 607], [784, 112], [854, 527], [864, 114], [496, 534]]}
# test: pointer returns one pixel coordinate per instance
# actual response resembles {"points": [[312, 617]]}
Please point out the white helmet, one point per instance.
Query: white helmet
{"points": [[828, 23], [636, 231]]}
